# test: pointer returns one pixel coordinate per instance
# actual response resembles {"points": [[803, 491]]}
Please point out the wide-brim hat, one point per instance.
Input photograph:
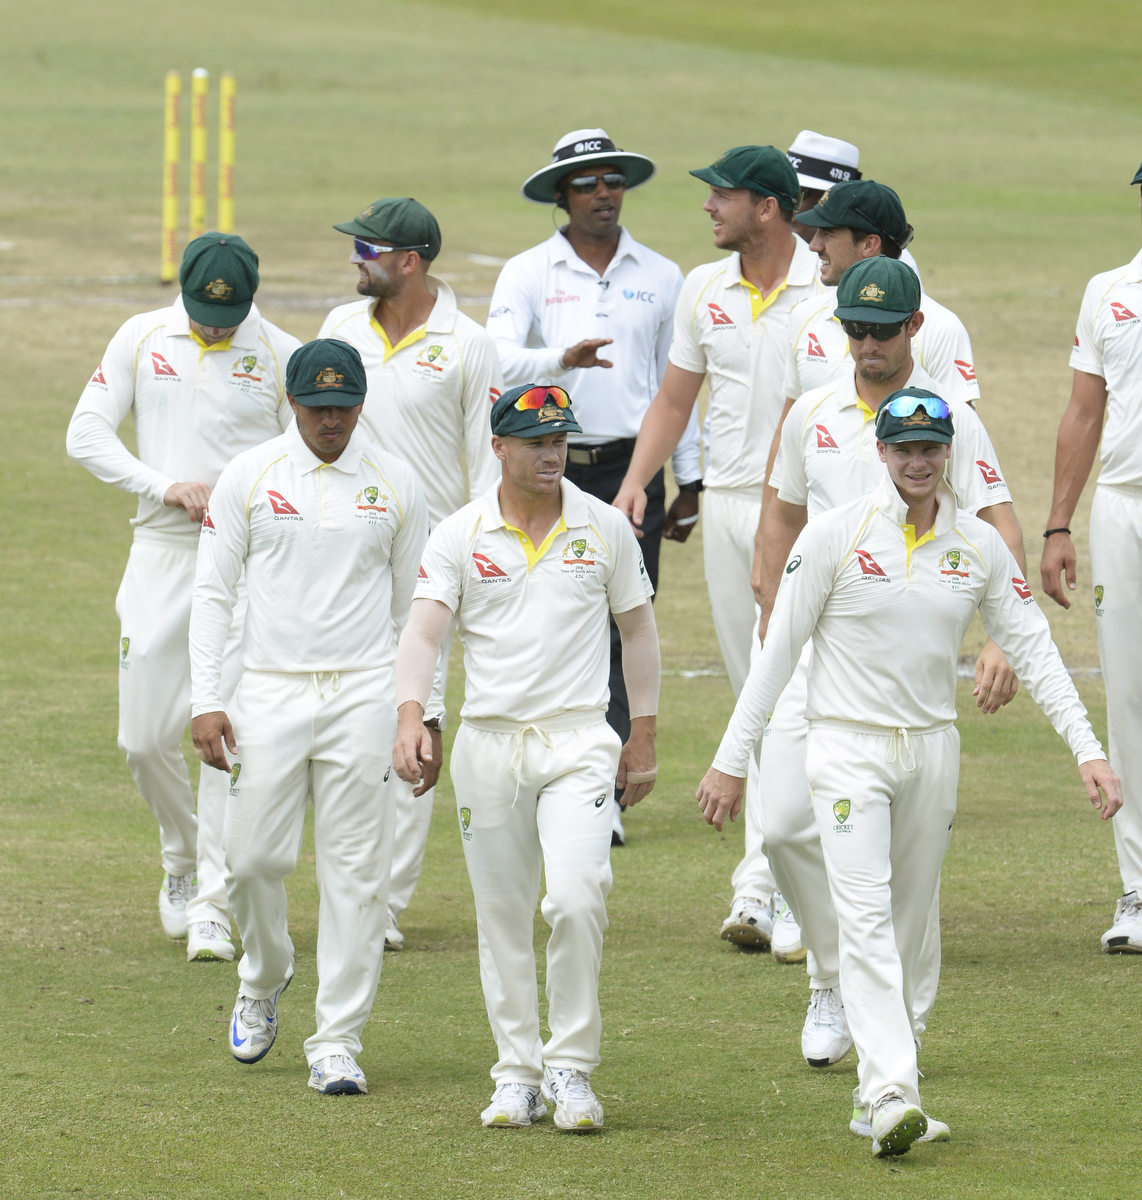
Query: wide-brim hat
{"points": [[580, 148], [821, 161]]}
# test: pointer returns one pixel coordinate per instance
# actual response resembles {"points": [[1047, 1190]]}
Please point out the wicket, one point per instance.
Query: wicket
{"points": [[172, 132]]}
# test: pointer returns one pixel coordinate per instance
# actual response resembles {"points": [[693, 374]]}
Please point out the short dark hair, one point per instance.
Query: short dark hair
{"points": [[787, 214], [888, 247]]}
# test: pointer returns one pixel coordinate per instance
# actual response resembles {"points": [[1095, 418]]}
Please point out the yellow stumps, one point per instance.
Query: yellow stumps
{"points": [[226, 153], [168, 266], [199, 83]]}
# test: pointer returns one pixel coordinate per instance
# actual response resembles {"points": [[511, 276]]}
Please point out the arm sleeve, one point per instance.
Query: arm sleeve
{"points": [[441, 575], [92, 436], [1018, 627], [686, 460], [943, 349], [419, 651], [973, 472], [805, 586], [483, 383], [1086, 354], [514, 310], [685, 350], [791, 386], [628, 584], [642, 662], [788, 475], [222, 550]]}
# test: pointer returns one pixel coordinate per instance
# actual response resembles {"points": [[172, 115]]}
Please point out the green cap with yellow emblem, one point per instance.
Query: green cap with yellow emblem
{"points": [[400, 220], [533, 410], [863, 205], [326, 373], [762, 169], [218, 277], [877, 290]]}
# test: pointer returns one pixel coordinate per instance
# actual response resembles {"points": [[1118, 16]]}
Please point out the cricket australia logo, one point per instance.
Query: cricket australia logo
{"points": [[1098, 595], [579, 558], [465, 821], [124, 646], [955, 569], [371, 503], [841, 811], [235, 771]]}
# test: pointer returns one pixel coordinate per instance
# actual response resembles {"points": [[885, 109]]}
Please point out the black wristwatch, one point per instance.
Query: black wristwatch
{"points": [[695, 485]]}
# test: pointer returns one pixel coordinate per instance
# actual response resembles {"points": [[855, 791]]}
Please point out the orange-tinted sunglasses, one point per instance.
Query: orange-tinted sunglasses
{"points": [[537, 397]]}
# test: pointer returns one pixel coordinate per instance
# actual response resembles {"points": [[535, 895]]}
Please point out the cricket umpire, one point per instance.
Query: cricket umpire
{"points": [[592, 310], [532, 571]]}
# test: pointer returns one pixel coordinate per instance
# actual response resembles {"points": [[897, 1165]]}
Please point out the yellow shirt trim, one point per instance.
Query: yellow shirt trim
{"points": [[759, 303], [390, 349], [866, 413], [224, 344], [911, 542], [535, 553]]}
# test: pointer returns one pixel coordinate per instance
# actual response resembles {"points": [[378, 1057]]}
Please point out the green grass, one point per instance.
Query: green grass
{"points": [[1009, 129]]}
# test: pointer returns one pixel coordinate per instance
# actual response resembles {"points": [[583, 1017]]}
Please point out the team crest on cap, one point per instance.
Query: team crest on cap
{"points": [[871, 292], [549, 412], [824, 199], [328, 377], [919, 417], [217, 289], [366, 212]]}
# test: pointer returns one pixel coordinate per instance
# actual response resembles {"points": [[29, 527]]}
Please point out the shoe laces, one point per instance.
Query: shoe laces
{"points": [[256, 1012], [341, 1064], [1129, 906], [570, 1084], [521, 1092], [887, 1099], [824, 1005], [178, 886], [211, 931]]}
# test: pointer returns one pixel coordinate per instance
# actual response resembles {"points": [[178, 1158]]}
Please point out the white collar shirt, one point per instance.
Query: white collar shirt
{"points": [[535, 633], [194, 409], [330, 552], [887, 614], [1108, 343], [743, 358], [430, 396], [828, 457], [548, 299]]}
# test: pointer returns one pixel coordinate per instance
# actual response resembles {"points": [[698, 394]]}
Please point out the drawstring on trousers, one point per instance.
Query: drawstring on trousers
{"points": [[900, 741], [334, 682], [517, 752]]}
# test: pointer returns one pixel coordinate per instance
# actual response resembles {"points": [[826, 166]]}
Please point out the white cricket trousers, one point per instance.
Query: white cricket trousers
{"points": [[729, 531], [793, 847], [328, 735], [153, 606], [884, 802], [1116, 566], [532, 798]]}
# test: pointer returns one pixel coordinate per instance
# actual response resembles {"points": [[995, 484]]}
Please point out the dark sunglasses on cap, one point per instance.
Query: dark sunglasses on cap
{"points": [[905, 406], [877, 330], [537, 397], [370, 251], [585, 184]]}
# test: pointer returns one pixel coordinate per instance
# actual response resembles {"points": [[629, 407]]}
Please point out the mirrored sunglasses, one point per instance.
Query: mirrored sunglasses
{"points": [[905, 406], [537, 397], [584, 184], [878, 331], [371, 251]]}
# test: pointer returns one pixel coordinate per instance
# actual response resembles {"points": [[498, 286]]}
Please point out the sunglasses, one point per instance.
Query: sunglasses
{"points": [[370, 251], [537, 397], [585, 184], [905, 406], [877, 330]]}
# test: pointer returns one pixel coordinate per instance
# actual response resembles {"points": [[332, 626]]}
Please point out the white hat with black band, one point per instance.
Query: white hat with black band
{"points": [[821, 161], [580, 148]]}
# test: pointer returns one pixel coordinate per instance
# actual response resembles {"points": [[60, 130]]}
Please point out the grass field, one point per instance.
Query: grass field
{"points": [[1010, 130]]}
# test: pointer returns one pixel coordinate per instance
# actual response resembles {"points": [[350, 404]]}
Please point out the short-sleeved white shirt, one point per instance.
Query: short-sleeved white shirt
{"points": [[1108, 342], [828, 455], [818, 349], [536, 642], [743, 360]]}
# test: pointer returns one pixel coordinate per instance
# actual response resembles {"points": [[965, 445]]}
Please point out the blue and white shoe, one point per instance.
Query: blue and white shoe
{"points": [[254, 1025], [338, 1075]]}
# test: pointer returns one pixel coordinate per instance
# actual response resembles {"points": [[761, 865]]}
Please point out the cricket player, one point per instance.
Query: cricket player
{"points": [[202, 380], [1107, 364], [328, 530], [885, 587], [592, 310], [730, 327], [827, 458], [531, 571], [433, 373]]}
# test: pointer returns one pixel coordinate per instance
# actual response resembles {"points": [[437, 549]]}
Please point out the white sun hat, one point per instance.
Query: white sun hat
{"points": [[821, 161], [579, 148]]}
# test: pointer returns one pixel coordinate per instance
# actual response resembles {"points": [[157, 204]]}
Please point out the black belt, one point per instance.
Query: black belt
{"points": [[608, 452]]}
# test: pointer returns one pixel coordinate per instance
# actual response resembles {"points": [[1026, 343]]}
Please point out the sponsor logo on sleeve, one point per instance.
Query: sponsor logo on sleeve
{"points": [[1076, 341], [1022, 590], [991, 476], [718, 316], [98, 377], [421, 572], [163, 369], [283, 510], [815, 350], [965, 369], [207, 523], [1122, 315], [825, 442], [869, 567], [494, 394], [793, 564]]}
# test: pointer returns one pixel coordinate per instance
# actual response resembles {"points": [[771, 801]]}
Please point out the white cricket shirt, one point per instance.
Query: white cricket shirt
{"points": [[535, 631], [547, 299], [194, 409], [1108, 342], [828, 457], [330, 552], [818, 348], [886, 617], [429, 397], [717, 333]]}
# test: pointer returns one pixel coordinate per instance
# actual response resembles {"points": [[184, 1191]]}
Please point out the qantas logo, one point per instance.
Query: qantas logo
{"points": [[1076, 341], [825, 439], [494, 394], [162, 367], [990, 475], [1021, 588], [281, 506], [718, 317], [965, 369], [207, 523], [815, 350], [98, 376], [869, 565], [1121, 312], [487, 568]]}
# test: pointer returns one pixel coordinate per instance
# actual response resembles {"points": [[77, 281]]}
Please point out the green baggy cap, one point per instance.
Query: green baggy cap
{"points": [[762, 169], [398, 219], [1137, 177], [914, 422], [879, 290], [532, 411], [326, 373], [218, 277], [861, 204]]}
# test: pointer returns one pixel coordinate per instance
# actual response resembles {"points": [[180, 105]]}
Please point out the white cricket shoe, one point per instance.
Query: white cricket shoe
{"points": [[825, 1037], [338, 1075], [786, 944], [618, 833], [576, 1107], [174, 895], [254, 1025], [750, 923], [860, 1125], [394, 939], [209, 941], [895, 1126], [514, 1106], [1125, 935]]}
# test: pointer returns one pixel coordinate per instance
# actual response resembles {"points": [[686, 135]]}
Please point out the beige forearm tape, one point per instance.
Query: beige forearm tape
{"points": [[642, 664], [428, 622]]}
